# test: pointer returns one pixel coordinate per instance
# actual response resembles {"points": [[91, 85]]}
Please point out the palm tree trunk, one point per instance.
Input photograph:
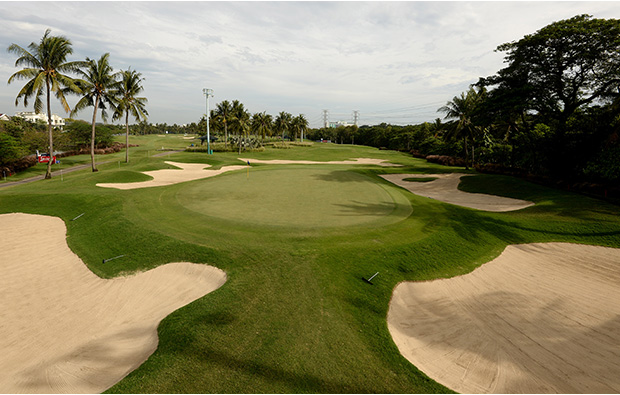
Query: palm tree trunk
{"points": [[127, 137], [239, 142], [48, 172], [225, 136], [92, 136], [466, 155]]}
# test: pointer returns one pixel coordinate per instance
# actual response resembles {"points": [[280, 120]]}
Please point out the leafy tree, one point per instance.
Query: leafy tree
{"points": [[100, 88], [563, 66], [464, 110], [299, 125], [129, 103], [80, 134], [261, 124], [224, 115], [283, 122], [10, 148], [554, 74], [240, 120], [46, 65]]}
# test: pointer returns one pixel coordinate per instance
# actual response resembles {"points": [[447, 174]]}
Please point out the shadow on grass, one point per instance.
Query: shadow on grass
{"points": [[515, 229], [366, 209], [271, 376], [341, 176], [217, 318]]}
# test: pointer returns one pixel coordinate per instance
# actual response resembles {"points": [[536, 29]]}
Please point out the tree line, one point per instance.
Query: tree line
{"points": [[47, 71], [231, 122], [553, 111]]}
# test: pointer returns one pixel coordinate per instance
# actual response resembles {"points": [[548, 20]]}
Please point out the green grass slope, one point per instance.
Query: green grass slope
{"points": [[295, 315]]}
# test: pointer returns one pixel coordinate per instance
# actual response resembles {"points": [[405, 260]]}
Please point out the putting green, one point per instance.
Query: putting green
{"points": [[299, 197]]}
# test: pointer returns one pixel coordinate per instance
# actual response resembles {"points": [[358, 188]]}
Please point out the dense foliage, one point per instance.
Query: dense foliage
{"points": [[553, 111]]}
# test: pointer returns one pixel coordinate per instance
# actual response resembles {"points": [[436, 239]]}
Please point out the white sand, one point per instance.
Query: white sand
{"points": [[163, 177], [356, 161], [540, 318], [64, 329], [445, 189]]}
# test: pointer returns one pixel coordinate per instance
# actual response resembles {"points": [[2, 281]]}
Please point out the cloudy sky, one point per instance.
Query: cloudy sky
{"points": [[394, 62]]}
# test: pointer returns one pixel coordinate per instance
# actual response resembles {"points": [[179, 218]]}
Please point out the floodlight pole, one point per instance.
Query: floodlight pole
{"points": [[208, 92]]}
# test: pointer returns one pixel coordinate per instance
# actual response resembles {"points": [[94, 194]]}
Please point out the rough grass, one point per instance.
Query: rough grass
{"points": [[294, 315]]}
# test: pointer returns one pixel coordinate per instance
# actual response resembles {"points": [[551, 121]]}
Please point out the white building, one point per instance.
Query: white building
{"points": [[4, 117], [29, 116], [339, 123]]}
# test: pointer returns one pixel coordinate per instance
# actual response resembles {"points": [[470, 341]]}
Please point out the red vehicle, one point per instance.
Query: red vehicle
{"points": [[44, 157]]}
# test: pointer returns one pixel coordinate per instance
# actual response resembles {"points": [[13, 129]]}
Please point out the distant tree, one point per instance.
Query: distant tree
{"points": [[46, 67], [464, 109], [10, 148], [224, 114], [299, 125], [282, 123], [129, 103], [79, 134], [100, 86], [261, 124], [240, 121]]}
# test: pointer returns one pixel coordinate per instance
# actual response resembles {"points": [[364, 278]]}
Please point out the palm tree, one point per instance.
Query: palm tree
{"points": [[261, 124], [283, 122], [46, 64], [299, 125], [99, 88], [240, 120], [463, 110], [128, 102], [223, 113]]}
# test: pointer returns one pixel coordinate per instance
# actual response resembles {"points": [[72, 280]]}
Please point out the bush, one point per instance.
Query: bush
{"points": [[605, 166], [493, 168], [446, 160], [496, 153], [10, 149], [19, 165]]}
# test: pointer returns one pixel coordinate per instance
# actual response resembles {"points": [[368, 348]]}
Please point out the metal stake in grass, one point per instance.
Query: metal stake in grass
{"points": [[78, 217], [368, 280], [109, 259]]}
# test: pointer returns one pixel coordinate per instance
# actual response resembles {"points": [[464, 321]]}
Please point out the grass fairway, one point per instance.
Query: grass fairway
{"points": [[294, 315]]}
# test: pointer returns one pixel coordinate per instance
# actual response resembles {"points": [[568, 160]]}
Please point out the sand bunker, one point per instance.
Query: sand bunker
{"points": [[65, 330], [163, 177], [445, 189], [540, 318], [356, 161]]}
